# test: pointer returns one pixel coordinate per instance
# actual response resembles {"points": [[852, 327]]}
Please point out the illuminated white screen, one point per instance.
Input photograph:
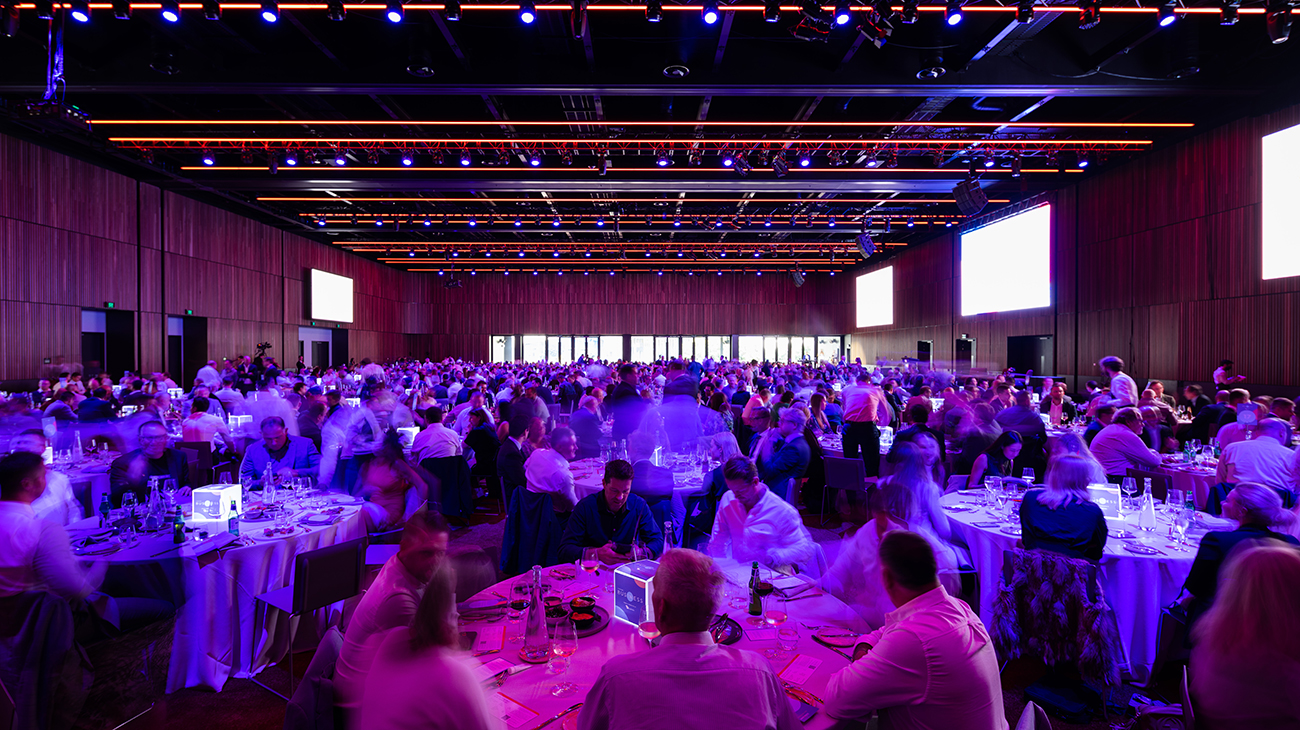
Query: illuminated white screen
{"points": [[1008, 265], [876, 298], [331, 296], [1281, 256]]}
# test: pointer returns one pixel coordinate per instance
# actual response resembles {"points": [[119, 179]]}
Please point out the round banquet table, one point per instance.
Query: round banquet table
{"points": [[221, 630], [1136, 586], [1195, 480], [526, 696]]}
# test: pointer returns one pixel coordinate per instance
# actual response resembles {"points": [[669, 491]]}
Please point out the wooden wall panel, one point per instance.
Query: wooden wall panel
{"points": [[200, 231], [32, 331], [50, 189]]}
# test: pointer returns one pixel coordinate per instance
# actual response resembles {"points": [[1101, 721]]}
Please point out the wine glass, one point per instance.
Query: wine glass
{"points": [[520, 597], [774, 609], [1182, 520], [738, 597], [787, 640], [169, 492], [990, 492], [564, 642], [1130, 489], [589, 562], [1028, 475], [128, 503], [763, 589]]}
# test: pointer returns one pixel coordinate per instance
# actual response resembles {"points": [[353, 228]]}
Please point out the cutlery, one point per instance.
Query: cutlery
{"points": [[558, 715], [846, 633], [835, 649], [800, 597], [801, 694]]}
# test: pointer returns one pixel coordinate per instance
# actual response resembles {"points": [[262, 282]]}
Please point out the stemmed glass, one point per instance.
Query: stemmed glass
{"points": [[1028, 476], [564, 642], [590, 563], [1182, 520], [169, 492], [787, 640], [992, 485], [128, 504], [763, 589], [1130, 488], [774, 609], [520, 597]]}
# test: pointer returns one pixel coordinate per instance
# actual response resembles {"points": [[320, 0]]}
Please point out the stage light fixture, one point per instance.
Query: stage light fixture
{"points": [[843, 13], [1089, 14], [555, 254], [1024, 11], [767, 222], [451, 10], [273, 164], [677, 221], [270, 11], [556, 223], [709, 13], [909, 15], [394, 11], [171, 11], [211, 9], [334, 10], [527, 12], [122, 9], [805, 159], [1084, 160], [779, 165], [473, 222], [718, 223], [320, 222], [664, 158], [654, 11], [600, 221], [340, 158], [79, 10], [728, 159], [209, 159], [1277, 18], [535, 160], [772, 11], [465, 159], [952, 12], [989, 161], [1015, 165], [521, 253], [1228, 13], [830, 221], [428, 223], [519, 222], [587, 253], [1166, 15], [408, 158], [911, 223], [872, 160]]}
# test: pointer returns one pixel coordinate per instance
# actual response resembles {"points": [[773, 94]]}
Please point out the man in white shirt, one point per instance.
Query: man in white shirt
{"points": [[476, 402], [209, 375], [1263, 459], [755, 524], [1119, 447], [58, 503], [687, 682], [389, 602], [1123, 389], [932, 665], [546, 471], [436, 440]]}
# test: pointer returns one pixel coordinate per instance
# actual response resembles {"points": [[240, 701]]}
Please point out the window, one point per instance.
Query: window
{"points": [[534, 348], [828, 349], [672, 347], [661, 348], [808, 348], [566, 349], [553, 349], [751, 347], [503, 348], [593, 348], [611, 347], [796, 349], [643, 348], [699, 348], [769, 349], [783, 349], [688, 347]]}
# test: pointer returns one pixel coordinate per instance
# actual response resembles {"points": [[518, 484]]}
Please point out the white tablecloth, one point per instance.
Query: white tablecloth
{"points": [[221, 631], [1136, 586], [531, 688]]}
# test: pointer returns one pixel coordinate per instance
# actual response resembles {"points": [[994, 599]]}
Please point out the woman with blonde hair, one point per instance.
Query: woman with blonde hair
{"points": [[1246, 664], [1061, 517], [1073, 443]]}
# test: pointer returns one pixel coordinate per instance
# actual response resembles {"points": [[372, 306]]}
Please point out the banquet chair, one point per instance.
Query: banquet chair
{"points": [[7, 709], [532, 533], [312, 706], [849, 475], [455, 487], [1160, 483], [956, 483], [320, 578], [39, 659]]}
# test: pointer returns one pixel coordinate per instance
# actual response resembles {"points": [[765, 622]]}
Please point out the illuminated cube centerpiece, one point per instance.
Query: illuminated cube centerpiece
{"points": [[212, 506], [633, 590]]}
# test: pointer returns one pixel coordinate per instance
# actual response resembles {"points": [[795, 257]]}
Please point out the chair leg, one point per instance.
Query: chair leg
{"points": [[276, 692], [824, 488]]}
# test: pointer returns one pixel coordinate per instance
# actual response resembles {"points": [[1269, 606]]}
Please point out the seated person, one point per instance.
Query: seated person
{"points": [[1119, 446], [611, 520], [711, 686], [1072, 443], [909, 500], [130, 472], [1257, 509], [755, 524], [919, 413], [389, 603], [783, 454], [394, 491], [1242, 428], [650, 482], [996, 461], [396, 694], [481, 438], [932, 665], [204, 426], [1104, 416], [58, 503], [586, 427], [547, 470], [1156, 434], [1264, 459], [436, 441], [293, 455], [756, 423], [1246, 663], [96, 408], [1057, 406], [1061, 517]]}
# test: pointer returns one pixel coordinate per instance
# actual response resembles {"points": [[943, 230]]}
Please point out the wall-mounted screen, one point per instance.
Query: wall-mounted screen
{"points": [[331, 296], [1007, 265], [875, 298], [1281, 225]]}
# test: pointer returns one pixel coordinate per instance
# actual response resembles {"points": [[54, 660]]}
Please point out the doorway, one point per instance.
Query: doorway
{"points": [[1031, 352], [314, 344], [925, 351], [963, 355]]}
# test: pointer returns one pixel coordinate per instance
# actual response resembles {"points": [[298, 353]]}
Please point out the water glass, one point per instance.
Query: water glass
{"points": [[564, 644], [282, 519], [128, 503]]}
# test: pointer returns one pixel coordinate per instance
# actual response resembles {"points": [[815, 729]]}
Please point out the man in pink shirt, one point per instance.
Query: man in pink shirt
{"points": [[865, 411], [1119, 447], [932, 666]]}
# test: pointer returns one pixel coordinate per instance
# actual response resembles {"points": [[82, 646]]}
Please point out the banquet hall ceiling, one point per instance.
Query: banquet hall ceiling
{"points": [[627, 143]]}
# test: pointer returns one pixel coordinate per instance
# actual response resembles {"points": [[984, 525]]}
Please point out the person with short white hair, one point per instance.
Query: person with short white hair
{"points": [[1264, 459], [585, 423], [688, 681]]}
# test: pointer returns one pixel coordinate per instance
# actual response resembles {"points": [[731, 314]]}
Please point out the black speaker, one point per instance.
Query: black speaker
{"points": [[970, 197]]}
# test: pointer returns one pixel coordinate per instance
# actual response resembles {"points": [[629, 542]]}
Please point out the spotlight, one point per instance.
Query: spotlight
{"points": [[728, 159], [909, 14], [1015, 165], [681, 253], [805, 159], [535, 160], [654, 11], [519, 222], [694, 158], [1024, 11], [830, 221], [521, 253], [465, 159], [473, 222], [427, 222], [209, 159], [779, 165], [1277, 18], [334, 10], [566, 158], [1228, 13], [1084, 160], [677, 221], [1089, 14], [379, 221], [842, 13], [270, 11], [767, 222], [600, 221], [451, 10], [320, 222], [989, 161], [952, 12], [122, 9], [709, 12], [718, 222], [212, 9], [587, 253], [772, 11], [79, 10], [408, 158], [911, 223], [394, 11], [1166, 16], [527, 12], [273, 164], [556, 223], [873, 160], [171, 11], [340, 158], [664, 158], [555, 254]]}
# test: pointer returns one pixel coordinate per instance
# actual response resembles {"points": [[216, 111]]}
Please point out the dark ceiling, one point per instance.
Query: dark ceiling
{"points": [[887, 141]]}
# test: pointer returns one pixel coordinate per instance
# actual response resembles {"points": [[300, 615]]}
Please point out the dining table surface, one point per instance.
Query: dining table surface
{"points": [[523, 700]]}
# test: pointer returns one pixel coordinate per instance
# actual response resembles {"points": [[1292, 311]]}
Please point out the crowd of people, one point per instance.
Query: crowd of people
{"points": [[380, 431]]}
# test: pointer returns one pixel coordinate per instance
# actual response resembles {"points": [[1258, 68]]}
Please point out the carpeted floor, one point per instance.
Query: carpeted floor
{"points": [[130, 672]]}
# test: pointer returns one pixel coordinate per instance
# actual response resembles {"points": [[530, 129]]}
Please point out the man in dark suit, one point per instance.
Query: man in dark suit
{"points": [[1206, 422], [651, 483], [626, 403], [741, 396], [96, 408], [586, 427], [131, 471], [1059, 402], [919, 414], [510, 457], [1196, 398], [783, 455]]}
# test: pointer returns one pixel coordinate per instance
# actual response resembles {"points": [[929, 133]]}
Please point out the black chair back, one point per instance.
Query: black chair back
{"points": [[328, 575], [1160, 483], [455, 486], [847, 474]]}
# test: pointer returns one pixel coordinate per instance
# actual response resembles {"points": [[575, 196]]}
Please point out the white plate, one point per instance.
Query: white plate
{"points": [[1011, 530]]}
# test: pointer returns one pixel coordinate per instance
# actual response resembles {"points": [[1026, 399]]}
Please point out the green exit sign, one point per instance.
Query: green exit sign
{"points": [[109, 305], [189, 311]]}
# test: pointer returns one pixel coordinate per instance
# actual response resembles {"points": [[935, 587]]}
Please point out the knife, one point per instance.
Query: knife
{"points": [[558, 715], [835, 649]]}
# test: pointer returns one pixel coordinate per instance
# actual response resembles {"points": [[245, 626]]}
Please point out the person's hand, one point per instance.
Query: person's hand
{"points": [[860, 651], [183, 492], [607, 555]]}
